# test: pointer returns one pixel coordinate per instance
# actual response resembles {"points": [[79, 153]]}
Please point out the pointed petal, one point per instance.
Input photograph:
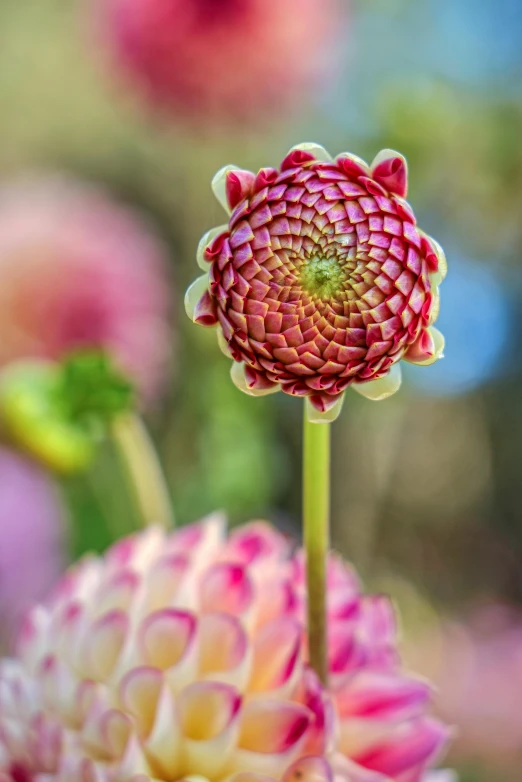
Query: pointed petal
{"points": [[219, 186], [205, 241], [427, 348], [239, 185], [240, 380], [195, 292], [329, 412], [380, 389], [390, 170]]}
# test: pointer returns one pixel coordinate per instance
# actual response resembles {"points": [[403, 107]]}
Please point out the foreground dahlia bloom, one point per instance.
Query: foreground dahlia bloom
{"points": [[32, 547], [79, 271], [231, 59], [321, 279], [184, 654]]}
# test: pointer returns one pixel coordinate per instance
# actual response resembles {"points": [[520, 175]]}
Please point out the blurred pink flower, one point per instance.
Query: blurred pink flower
{"points": [[31, 545], [227, 58], [480, 681], [184, 654], [78, 270]]}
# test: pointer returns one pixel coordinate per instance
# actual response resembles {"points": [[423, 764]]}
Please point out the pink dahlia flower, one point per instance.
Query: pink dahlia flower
{"points": [[321, 279], [80, 271], [31, 546], [184, 655], [228, 58]]}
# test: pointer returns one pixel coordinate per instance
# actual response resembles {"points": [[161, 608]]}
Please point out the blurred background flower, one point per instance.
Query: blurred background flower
{"points": [[32, 550], [79, 271], [229, 60], [426, 484]]}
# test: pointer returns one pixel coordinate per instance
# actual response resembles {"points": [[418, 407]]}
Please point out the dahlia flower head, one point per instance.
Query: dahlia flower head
{"points": [[80, 271], [183, 655], [232, 60], [321, 279]]}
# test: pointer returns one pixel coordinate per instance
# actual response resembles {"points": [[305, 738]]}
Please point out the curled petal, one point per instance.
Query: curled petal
{"points": [[435, 306], [223, 344], [435, 257], [323, 408], [390, 170], [277, 648], [226, 587], [427, 348], [315, 150], [250, 382], [271, 736], [219, 186], [411, 748], [205, 312], [239, 185], [166, 637], [206, 241], [254, 542], [353, 165], [380, 389], [224, 649], [195, 292], [209, 719], [105, 644], [265, 178], [382, 696], [145, 693], [297, 157]]}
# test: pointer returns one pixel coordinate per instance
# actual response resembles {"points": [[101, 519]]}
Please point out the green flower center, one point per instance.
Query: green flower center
{"points": [[322, 277]]}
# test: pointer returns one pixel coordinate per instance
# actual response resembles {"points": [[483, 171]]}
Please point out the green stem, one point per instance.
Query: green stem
{"points": [[143, 470], [316, 525]]}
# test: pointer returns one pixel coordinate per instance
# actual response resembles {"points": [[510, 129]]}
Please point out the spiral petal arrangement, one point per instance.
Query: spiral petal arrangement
{"points": [[184, 654], [321, 278]]}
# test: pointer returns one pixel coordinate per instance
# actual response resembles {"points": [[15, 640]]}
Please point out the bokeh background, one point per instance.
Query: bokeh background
{"points": [[427, 499]]}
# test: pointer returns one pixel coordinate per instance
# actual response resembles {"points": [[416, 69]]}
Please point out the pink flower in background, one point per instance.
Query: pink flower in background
{"points": [[79, 270], [479, 682], [31, 546], [185, 654], [228, 58]]}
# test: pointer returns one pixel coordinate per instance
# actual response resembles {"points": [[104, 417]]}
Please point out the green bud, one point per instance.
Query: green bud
{"points": [[58, 413]]}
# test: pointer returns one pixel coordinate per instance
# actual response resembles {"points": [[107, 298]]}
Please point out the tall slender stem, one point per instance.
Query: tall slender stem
{"points": [[316, 524], [143, 470]]}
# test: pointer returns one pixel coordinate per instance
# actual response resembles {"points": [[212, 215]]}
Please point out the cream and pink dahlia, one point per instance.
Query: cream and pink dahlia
{"points": [[321, 279], [80, 271], [226, 59], [184, 655]]}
